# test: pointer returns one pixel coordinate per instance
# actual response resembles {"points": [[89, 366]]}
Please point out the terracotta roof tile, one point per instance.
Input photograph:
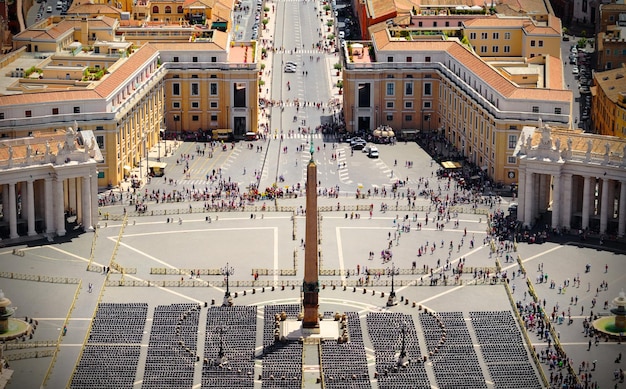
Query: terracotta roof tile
{"points": [[121, 73], [46, 97]]}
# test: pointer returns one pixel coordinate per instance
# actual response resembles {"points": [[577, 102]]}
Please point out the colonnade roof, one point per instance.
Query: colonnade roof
{"points": [[18, 147]]}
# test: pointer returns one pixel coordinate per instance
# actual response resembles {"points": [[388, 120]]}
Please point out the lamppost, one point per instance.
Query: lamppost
{"points": [[227, 271], [392, 300]]}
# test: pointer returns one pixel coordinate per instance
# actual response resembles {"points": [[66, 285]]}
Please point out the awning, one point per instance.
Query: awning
{"points": [[159, 165], [450, 165], [126, 167]]}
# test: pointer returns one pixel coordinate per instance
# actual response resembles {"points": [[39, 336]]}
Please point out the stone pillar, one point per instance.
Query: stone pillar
{"points": [[12, 212], [586, 202], [49, 206], [521, 195], [556, 200], [86, 203], [529, 196], [566, 207], [94, 196], [59, 204], [604, 205], [543, 191], [621, 228], [30, 211], [72, 189], [5, 200]]}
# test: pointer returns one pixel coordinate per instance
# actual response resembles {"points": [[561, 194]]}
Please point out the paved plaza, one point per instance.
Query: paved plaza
{"points": [[265, 251]]}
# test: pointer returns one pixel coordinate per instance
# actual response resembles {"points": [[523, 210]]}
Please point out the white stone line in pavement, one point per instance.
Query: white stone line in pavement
{"points": [[340, 255], [541, 254], [68, 253], [275, 229]]}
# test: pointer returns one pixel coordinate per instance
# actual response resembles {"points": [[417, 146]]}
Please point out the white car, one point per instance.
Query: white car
{"points": [[575, 70], [290, 69], [49, 9], [373, 153], [291, 63], [342, 35]]}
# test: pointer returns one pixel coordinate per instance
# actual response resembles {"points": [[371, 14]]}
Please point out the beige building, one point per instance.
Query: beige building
{"points": [[440, 85], [572, 180], [608, 107]]}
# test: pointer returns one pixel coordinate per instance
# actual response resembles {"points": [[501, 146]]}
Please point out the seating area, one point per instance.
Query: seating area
{"points": [[104, 366], [111, 355], [234, 330], [503, 350], [171, 357], [344, 365], [451, 351], [385, 334], [282, 361], [118, 323]]}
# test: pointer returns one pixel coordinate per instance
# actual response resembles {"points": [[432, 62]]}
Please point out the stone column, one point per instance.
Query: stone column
{"points": [[5, 200], [604, 205], [521, 195], [49, 206], [556, 200], [94, 196], [30, 211], [12, 212], [566, 208], [72, 189], [85, 196], [621, 229], [59, 204], [586, 202], [528, 201]]}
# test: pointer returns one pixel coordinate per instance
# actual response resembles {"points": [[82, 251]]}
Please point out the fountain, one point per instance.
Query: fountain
{"points": [[614, 326], [10, 328]]}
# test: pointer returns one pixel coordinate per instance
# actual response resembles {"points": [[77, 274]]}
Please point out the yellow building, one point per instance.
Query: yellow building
{"points": [[439, 86], [608, 107], [514, 36], [126, 95]]}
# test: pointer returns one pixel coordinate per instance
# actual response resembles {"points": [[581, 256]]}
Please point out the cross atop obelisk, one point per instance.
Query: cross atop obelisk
{"points": [[310, 286]]}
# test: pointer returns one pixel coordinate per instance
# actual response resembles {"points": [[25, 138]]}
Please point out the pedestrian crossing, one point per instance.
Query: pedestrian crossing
{"points": [[305, 136]]}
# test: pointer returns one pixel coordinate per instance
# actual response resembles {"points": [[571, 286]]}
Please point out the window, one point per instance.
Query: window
{"points": [[195, 89], [155, 10], [213, 89], [389, 117], [408, 104], [409, 59], [483, 49], [179, 9], [408, 88], [195, 118], [239, 94], [213, 59], [535, 109], [557, 110], [495, 49], [427, 104], [512, 141], [420, 24], [76, 109], [55, 111], [213, 117], [175, 59], [447, 24], [511, 160], [390, 89], [176, 104], [100, 141], [389, 104], [176, 89], [364, 95], [194, 76], [483, 35], [408, 118], [472, 35], [195, 104], [213, 104], [540, 43], [428, 89], [496, 35], [427, 59], [507, 49], [434, 24], [1, 115], [168, 9], [507, 35], [194, 59], [28, 113], [389, 59], [532, 43]]}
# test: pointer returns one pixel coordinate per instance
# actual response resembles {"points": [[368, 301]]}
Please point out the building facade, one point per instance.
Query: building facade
{"points": [[608, 108], [571, 180]]}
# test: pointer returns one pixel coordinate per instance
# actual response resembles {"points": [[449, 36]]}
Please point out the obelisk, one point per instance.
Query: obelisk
{"points": [[310, 286]]}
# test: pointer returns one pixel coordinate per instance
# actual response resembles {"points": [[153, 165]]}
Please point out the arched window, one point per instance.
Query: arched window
{"points": [[179, 9], [168, 9], [155, 9]]}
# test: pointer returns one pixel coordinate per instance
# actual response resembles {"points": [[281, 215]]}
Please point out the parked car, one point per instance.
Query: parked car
{"points": [[290, 69], [373, 153]]}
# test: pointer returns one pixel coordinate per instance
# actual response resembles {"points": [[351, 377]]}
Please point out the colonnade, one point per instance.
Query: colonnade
{"points": [[575, 200], [43, 203]]}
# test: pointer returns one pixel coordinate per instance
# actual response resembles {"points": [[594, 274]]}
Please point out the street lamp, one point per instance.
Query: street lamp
{"points": [[227, 271], [392, 300]]}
